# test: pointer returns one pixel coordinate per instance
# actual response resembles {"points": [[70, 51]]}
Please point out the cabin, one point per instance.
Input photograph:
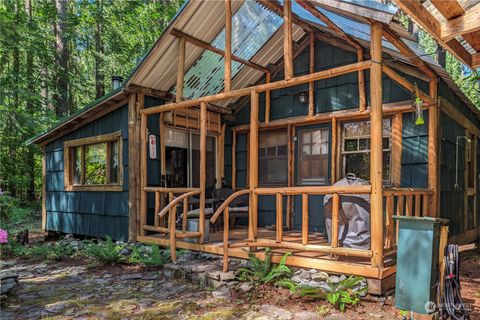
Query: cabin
{"points": [[236, 131]]}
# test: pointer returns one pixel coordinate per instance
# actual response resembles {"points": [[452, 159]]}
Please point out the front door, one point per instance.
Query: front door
{"points": [[312, 168]]}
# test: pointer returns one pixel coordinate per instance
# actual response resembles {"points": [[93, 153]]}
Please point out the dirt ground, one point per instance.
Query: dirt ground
{"points": [[72, 289]]}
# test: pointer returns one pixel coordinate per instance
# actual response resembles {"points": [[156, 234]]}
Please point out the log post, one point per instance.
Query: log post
{"points": [[362, 100], [184, 214], [311, 84], [171, 226], [333, 172], [228, 46], [253, 166], [134, 165], [181, 68], [234, 160], [279, 219], [376, 163], [287, 39], [389, 222], [203, 169], [335, 209], [268, 78], [433, 175], [290, 177], [157, 209], [304, 218], [143, 172], [226, 225]]}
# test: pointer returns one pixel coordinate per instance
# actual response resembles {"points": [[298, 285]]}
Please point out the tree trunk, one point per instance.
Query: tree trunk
{"points": [[99, 51], [61, 46], [30, 160]]}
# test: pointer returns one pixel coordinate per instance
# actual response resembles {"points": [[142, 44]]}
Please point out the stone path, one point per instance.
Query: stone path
{"points": [[71, 290]]}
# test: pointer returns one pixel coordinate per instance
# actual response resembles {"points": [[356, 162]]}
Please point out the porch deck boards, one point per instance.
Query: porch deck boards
{"points": [[305, 259]]}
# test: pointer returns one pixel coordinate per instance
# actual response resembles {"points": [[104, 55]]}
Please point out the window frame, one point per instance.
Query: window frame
{"points": [[298, 180], [287, 156], [69, 147], [343, 153]]}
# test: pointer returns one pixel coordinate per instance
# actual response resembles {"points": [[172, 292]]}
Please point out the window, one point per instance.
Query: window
{"points": [[356, 149], [273, 158], [313, 155], [94, 163]]}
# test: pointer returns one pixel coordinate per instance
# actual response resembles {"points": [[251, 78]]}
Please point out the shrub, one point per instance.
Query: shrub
{"points": [[11, 210], [340, 295], [55, 251], [262, 272], [107, 253], [156, 258]]}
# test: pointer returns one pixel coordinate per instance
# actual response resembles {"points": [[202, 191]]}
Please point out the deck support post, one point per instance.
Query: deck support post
{"points": [[228, 46], [143, 173], [181, 68], [287, 39], [253, 167], [376, 163], [203, 169], [433, 176]]}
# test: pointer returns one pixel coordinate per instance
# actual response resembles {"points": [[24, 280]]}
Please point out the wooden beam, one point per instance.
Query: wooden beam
{"points": [[287, 39], [433, 128], [376, 154], [143, 172], [204, 45], [325, 74], [427, 21], [448, 8], [467, 23], [163, 161], [203, 168], [228, 46], [406, 51], [279, 218], [476, 60], [290, 173], [311, 84], [133, 166], [268, 78], [234, 160], [397, 124], [333, 174], [135, 88], [355, 11], [335, 217], [362, 99], [316, 13], [180, 68], [392, 74], [253, 166]]}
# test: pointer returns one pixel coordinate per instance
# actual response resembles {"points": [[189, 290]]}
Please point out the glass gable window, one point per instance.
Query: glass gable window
{"points": [[273, 158], [356, 149], [313, 155], [93, 161]]}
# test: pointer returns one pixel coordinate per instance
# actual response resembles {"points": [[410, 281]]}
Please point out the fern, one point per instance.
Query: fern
{"points": [[262, 272], [107, 253]]}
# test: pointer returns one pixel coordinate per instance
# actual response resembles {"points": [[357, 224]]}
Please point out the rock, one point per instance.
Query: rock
{"points": [[57, 307], [213, 275], [334, 279], [227, 276], [9, 282], [275, 312], [320, 276], [201, 268], [335, 316], [305, 315], [343, 277], [245, 287], [232, 283], [215, 283], [125, 251], [150, 276], [132, 276], [222, 293]]}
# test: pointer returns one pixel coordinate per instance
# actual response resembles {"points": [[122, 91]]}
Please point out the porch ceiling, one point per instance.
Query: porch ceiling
{"points": [[257, 37]]}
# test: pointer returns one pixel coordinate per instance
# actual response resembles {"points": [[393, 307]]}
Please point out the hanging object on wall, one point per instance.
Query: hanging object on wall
{"points": [[152, 146], [417, 107]]}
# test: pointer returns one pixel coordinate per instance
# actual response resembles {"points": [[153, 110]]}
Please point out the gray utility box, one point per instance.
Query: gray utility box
{"points": [[417, 262], [193, 224]]}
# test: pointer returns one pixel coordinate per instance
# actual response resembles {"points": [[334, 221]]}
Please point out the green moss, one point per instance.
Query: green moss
{"points": [[217, 314]]}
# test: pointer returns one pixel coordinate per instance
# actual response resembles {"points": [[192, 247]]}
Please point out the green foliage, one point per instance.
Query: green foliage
{"points": [[13, 211], [52, 252], [156, 258], [263, 271], [340, 295], [105, 253]]}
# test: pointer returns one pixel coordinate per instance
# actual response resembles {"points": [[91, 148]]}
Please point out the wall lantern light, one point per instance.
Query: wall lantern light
{"points": [[303, 97]]}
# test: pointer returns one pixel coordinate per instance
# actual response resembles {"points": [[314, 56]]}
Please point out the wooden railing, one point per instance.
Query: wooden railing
{"points": [[160, 212], [305, 192], [403, 202]]}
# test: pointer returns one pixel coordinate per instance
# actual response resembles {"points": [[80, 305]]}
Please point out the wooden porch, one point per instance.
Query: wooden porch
{"points": [[308, 249]]}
